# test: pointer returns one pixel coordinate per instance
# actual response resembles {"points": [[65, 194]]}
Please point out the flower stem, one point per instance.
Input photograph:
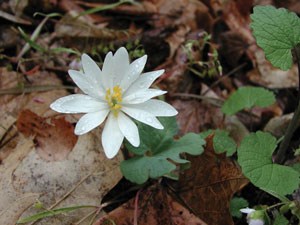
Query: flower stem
{"points": [[280, 156]]}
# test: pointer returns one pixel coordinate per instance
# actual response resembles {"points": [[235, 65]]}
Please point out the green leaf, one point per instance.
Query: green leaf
{"points": [[281, 197], [160, 139], [255, 158], [236, 204], [277, 31], [247, 97], [280, 220], [221, 141], [296, 167], [31, 42], [53, 212], [105, 7], [158, 152]]}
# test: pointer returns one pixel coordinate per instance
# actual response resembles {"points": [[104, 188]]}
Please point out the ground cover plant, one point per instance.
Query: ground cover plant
{"points": [[149, 112]]}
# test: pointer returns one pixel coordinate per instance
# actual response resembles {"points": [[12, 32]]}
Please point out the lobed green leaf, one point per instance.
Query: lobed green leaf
{"points": [[277, 31], [255, 158], [236, 204], [247, 97], [280, 220], [221, 141], [158, 152]]}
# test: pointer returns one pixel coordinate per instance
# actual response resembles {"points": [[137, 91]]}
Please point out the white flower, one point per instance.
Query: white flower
{"points": [[117, 93], [254, 217]]}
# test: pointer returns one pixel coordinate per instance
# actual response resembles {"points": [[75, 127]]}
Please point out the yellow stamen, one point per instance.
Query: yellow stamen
{"points": [[114, 99]]}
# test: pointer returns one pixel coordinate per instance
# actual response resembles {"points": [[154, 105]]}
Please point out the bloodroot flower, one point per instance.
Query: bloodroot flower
{"points": [[119, 92], [254, 217]]}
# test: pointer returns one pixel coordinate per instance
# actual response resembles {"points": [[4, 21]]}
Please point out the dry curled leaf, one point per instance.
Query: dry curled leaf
{"points": [[54, 139], [154, 207], [81, 178], [195, 115], [211, 180]]}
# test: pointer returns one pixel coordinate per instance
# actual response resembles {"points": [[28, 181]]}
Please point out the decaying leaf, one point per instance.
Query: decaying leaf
{"points": [[211, 180], [195, 116], [82, 176], [12, 104], [54, 140], [268, 76], [278, 125], [86, 170], [154, 207], [14, 203]]}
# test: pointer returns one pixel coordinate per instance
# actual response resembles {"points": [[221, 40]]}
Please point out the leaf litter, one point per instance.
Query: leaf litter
{"points": [[41, 158]]}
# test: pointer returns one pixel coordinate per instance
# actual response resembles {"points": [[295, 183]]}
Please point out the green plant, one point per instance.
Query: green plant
{"points": [[277, 32], [203, 68]]}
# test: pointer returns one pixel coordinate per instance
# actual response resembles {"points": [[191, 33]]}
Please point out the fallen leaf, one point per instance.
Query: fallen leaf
{"points": [[232, 47], [211, 180], [54, 140], [14, 203], [81, 178], [154, 207], [268, 76], [12, 104], [195, 116], [236, 128], [277, 125], [18, 7]]}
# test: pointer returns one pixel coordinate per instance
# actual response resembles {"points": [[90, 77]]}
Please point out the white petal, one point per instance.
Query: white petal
{"points": [[256, 222], [107, 70], [85, 83], [133, 72], [142, 96], [115, 67], [78, 103], [121, 62], [90, 121], [129, 129], [156, 107], [112, 137], [143, 116], [144, 81], [91, 69], [247, 210]]}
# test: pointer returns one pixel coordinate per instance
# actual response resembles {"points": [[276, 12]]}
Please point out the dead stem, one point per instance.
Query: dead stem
{"points": [[281, 154], [23, 90]]}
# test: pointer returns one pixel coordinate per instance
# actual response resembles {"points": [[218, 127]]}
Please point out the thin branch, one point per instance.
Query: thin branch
{"points": [[281, 154]]}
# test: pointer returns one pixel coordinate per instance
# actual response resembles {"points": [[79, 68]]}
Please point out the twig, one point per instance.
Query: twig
{"points": [[13, 18], [69, 192], [85, 217], [29, 89], [232, 72], [280, 156], [213, 101], [136, 207]]}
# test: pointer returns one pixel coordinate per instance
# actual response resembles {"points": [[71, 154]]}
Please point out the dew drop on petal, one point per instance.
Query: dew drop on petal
{"points": [[142, 84], [82, 129], [149, 119]]}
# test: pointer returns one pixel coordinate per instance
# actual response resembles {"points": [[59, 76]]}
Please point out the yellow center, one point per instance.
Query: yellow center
{"points": [[114, 99]]}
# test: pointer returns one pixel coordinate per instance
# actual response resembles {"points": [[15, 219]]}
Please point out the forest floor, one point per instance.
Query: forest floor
{"points": [[207, 50]]}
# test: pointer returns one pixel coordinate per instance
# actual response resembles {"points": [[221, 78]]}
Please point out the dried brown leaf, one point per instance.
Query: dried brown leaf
{"points": [[54, 140], [154, 207], [196, 116], [211, 180], [268, 76], [81, 178]]}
